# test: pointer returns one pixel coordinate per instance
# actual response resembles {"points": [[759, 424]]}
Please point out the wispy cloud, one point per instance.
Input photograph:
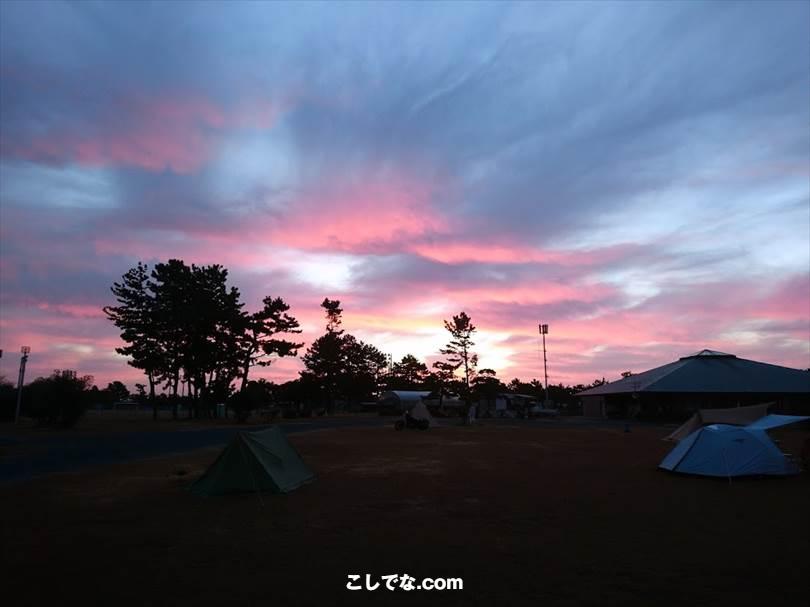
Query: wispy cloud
{"points": [[637, 177]]}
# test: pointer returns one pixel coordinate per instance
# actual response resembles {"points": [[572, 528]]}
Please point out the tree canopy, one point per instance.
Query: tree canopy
{"points": [[341, 365], [458, 351], [185, 321], [408, 374]]}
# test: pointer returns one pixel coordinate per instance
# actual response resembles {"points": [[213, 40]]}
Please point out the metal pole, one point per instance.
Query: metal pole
{"points": [[545, 366], [25, 350]]}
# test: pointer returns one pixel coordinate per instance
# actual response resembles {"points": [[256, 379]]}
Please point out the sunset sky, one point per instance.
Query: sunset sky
{"points": [[635, 175]]}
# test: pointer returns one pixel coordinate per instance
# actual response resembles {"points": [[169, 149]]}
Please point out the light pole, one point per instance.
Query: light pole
{"points": [[25, 350], [544, 332]]}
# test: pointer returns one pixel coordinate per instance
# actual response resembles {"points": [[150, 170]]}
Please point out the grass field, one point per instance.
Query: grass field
{"points": [[540, 516]]}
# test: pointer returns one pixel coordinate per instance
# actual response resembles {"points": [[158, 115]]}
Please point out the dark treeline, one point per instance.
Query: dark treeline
{"points": [[183, 325], [192, 336], [57, 400]]}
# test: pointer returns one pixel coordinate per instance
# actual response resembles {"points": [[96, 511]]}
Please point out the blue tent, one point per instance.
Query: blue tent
{"points": [[726, 451]]}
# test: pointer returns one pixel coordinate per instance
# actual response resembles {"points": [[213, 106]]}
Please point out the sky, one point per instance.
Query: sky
{"points": [[635, 175]]}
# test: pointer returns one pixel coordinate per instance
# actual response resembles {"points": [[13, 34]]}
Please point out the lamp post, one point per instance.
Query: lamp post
{"points": [[25, 350], [544, 332]]}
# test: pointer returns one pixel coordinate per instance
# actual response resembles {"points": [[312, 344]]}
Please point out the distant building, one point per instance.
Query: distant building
{"points": [[704, 380], [506, 404]]}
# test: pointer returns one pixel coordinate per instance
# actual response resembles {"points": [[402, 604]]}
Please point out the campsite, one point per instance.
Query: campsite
{"points": [[481, 303], [550, 513]]}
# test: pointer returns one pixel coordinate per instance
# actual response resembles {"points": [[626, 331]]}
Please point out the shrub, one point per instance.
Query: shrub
{"points": [[58, 400], [8, 400]]}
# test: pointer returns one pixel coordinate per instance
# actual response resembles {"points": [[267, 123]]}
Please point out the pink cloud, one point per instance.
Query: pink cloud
{"points": [[59, 340], [489, 250], [790, 300], [176, 131], [365, 216], [73, 310], [533, 292], [465, 252]]}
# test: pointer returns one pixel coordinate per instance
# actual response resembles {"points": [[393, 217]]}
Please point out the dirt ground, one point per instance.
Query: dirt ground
{"points": [[106, 422], [540, 516]]}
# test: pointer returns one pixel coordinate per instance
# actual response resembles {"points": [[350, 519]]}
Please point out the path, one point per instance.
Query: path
{"points": [[44, 455]]}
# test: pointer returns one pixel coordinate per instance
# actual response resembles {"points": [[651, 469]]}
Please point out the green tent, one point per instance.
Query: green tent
{"points": [[263, 462]]}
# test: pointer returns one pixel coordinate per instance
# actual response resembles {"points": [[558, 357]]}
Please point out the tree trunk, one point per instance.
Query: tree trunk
{"points": [[245, 373], [466, 371], [152, 397], [203, 395], [174, 394]]}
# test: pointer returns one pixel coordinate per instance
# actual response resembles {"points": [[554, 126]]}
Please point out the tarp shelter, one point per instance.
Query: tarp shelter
{"points": [[774, 421], [728, 451], [401, 400], [262, 462], [420, 411], [734, 416]]}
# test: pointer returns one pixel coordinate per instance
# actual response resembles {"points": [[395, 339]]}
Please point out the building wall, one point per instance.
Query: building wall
{"points": [[679, 406], [593, 406]]}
